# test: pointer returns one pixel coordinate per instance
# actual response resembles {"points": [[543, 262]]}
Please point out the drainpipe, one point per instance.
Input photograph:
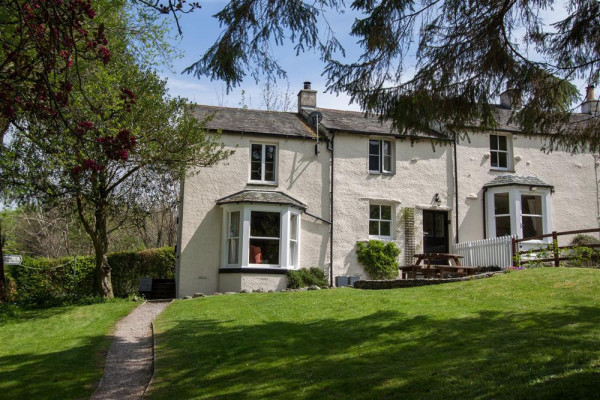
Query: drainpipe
{"points": [[330, 148], [455, 143], [484, 213]]}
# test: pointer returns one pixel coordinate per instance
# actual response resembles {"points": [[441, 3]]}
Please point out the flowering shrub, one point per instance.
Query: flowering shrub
{"points": [[379, 258]]}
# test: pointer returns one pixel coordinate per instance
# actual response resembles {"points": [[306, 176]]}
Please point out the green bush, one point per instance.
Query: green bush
{"points": [[379, 258], [306, 277], [584, 240], [582, 255], [43, 281]]}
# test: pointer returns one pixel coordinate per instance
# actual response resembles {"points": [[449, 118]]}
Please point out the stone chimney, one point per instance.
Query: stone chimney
{"points": [[590, 105], [307, 99], [509, 99]]}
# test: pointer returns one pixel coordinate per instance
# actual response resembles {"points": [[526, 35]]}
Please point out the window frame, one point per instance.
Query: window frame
{"points": [[286, 261], [508, 152], [515, 194], [379, 220], [263, 163], [381, 156]]}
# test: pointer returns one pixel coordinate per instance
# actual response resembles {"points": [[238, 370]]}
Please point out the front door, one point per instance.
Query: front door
{"points": [[435, 231]]}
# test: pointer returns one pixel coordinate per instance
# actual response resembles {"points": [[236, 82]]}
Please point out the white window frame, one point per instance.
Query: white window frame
{"points": [[286, 260], [381, 163], [516, 216], [263, 162], [508, 151], [231, 237], [379, 220]]}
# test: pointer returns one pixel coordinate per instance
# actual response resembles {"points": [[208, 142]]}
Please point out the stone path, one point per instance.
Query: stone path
{"points": [[129, 368]]}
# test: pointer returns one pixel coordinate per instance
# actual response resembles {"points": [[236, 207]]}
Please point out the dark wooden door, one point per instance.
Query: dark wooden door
{"points": [[435, 231]]}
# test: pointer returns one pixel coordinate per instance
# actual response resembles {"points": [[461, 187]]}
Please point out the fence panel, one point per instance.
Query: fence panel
{"points": [[486, 253]]}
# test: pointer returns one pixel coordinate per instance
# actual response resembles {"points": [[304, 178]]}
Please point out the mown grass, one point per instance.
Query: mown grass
{"points": [[56, 353], [527, 334]]}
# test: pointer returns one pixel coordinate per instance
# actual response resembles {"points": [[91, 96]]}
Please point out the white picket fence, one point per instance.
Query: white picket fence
{"points": [[487, 252]]}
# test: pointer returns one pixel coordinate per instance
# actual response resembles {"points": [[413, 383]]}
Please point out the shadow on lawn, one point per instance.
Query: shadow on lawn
{"points": [[385, 355], [67, 374]]}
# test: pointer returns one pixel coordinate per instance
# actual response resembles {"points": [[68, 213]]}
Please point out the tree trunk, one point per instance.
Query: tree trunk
{"points": [[2, 279], [103, 272]]}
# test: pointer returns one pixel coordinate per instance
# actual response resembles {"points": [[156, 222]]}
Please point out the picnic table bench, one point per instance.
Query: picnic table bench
{"points": [[436, 264]]}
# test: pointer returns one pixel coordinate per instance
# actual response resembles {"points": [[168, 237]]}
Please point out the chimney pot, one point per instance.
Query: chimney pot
{"points": [[589, 93], [307, 99]]}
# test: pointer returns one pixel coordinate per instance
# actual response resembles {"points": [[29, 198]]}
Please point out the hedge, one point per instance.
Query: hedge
{"points": [[39, 280]]}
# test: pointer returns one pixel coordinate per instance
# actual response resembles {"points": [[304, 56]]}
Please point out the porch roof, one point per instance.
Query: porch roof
{"points": [[515, 180], [262, 196]]}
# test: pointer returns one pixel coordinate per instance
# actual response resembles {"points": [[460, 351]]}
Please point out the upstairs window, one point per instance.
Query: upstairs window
{"points": [[380, 156], [380, 221], [263, 163], [500, 150]]}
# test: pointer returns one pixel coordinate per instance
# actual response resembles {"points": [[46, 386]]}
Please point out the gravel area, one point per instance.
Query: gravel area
{"points": [[129, 362]]}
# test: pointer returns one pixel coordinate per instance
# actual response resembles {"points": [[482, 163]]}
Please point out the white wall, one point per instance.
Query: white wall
{"points": [[300, 174], [421, 171]]}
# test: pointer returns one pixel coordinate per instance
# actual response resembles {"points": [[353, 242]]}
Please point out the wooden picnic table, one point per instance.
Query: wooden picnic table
{"points": [[442, 262]]}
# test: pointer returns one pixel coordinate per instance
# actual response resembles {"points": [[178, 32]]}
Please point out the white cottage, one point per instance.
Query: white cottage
{"points": [[302, 188]]}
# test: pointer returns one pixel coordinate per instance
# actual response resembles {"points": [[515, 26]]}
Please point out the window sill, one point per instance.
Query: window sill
{"points": [[492, 169], [382, 238], [259, 183], [253, 270], [381, 173]]}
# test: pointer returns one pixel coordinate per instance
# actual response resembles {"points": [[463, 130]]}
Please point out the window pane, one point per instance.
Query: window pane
{"points": [[439, 228], [255, 172], [502, 144], [373, 155], [501, 205], [270, 153], [264, 224], [386, 213], [293, 253], [532, 226], [374, 228], [385, 229], [264, 251], [502, 226], [387, 163], [293, 227], [493, 142], [233, 251], [387, 148], [374, 212], [502, 160], [256, 152], [234, 224], [269, 171], [531, 204], [494, 159]]}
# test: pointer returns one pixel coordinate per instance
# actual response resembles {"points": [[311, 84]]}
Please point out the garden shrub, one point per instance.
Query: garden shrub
{"points": [[41, 281], [584, 256], [379, 258], [306, 277]]}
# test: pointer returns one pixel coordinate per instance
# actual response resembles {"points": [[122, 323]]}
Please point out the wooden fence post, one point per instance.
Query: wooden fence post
{"points": [[516, 260], [555, 248]]}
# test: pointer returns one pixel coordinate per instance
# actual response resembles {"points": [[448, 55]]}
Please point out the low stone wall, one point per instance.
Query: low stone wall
{"points": [[405, 283]]}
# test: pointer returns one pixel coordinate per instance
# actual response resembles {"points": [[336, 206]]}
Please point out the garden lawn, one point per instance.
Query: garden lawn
{"points": [[527, 334], [56, 353]]}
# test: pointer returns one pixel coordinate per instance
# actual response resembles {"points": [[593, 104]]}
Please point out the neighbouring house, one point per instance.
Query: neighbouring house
{"points": [[303, 187]]}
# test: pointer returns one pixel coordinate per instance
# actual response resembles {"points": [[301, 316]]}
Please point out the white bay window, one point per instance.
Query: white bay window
{"points": [[518, 210], [261, 236]]}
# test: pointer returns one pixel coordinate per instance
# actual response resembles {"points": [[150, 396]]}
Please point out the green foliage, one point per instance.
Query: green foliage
{"points": [[379, 258], [67, 280], [584, 240], [306, 277]]}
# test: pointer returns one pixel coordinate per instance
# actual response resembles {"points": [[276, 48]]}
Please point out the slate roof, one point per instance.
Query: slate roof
{"points": [[357, 122], [504, 115], [261, 196], [515, 180], [239, 120]]}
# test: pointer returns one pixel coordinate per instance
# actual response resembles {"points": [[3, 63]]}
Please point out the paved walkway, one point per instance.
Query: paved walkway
{"points": [[129, 366]]}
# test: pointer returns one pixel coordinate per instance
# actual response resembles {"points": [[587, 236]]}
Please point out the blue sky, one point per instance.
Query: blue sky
{"points": [[200, 30]]}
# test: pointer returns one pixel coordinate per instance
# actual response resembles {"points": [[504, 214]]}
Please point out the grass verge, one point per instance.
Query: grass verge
{"points": [[56, 353], [527, 334]]}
